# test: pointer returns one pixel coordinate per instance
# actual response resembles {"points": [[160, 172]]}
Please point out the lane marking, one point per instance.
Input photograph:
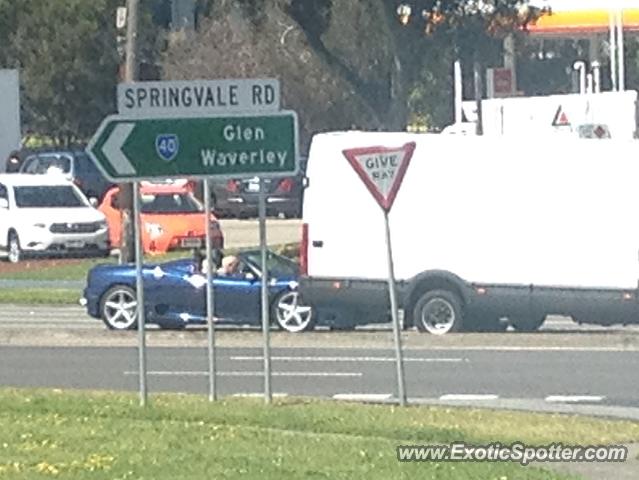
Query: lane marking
{"points": [[469, 396], [259, 395], [198, 373], [363, 397], [346, 359], [574, 398], [504, 348]]}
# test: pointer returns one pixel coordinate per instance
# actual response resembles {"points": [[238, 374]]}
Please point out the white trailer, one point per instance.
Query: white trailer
{"points": [[9, 114], [482, 229], [576, 115]]}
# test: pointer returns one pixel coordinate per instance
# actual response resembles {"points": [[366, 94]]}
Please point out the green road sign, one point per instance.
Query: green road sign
{"points": [[132, 148]]}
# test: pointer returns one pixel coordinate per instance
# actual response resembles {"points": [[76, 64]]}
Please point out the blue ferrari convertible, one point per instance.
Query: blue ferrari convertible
{"points": [[175, 294]]}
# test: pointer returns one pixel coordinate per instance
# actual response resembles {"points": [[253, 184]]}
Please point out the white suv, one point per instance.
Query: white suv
{"points": [[48, 214]]}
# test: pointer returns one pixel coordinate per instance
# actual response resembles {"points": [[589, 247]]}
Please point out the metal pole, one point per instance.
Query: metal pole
{"points": [[265, 305], [613, 50], [210, 296], [621, 51], [580, 67], [458, 92], [131, 64], [130, 75], [139, 283], [401, 391], [479, 129], [596, 73]]}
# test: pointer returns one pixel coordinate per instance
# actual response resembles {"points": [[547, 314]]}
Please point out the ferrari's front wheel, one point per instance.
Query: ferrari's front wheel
{"points": [[119, 308], [292, 315]]}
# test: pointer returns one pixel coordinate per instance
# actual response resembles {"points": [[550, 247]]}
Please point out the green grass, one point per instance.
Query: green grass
{"points": [[69, 435], [29, 296]]}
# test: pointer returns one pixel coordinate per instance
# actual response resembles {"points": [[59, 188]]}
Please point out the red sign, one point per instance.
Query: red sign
{"points": [[382, 170], [561, 119]]}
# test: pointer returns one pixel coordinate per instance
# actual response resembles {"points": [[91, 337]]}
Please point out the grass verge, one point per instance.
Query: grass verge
{"points": [[71, 435], [76, 269], [40, 296]]}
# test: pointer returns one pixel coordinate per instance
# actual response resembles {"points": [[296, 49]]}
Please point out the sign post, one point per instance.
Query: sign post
{"points": [[210, 298], [139, 289], [382, 170], [266, 324]]}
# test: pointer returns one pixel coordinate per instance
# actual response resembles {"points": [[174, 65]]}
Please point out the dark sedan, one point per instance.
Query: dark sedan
{"points": [[239, 197], [175, 294]]}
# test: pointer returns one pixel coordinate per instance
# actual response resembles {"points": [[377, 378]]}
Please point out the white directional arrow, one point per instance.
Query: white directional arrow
{"points": [[112, 149]]}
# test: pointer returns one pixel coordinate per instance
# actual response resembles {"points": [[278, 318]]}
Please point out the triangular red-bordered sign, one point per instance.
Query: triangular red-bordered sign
{"points": [[382, 169], [561, 118]]}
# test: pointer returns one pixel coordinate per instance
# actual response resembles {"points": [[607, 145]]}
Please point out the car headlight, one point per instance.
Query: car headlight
{"points": [[155, 230], [101, 225]]}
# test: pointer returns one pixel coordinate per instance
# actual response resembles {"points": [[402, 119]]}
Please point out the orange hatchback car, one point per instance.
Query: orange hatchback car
{"points": [[171, 217]]}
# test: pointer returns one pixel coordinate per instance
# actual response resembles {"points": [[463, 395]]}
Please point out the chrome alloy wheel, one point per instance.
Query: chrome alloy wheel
{"points": [[290, 315], [120, 308]]}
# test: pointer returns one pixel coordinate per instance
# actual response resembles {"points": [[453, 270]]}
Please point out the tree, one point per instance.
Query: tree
{"points": [[68, 63], [68, 59], [343, 64]]}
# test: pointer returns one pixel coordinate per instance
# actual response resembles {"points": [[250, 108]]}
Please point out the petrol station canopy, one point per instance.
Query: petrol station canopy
{"points": [[583, 18]]}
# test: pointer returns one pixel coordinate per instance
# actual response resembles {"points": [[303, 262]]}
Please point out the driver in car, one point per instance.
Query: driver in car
{"points": [[230, 266]]}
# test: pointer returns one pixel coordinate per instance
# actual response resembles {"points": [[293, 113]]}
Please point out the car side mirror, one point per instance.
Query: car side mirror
{"points": [[94, 202], [305, 181], [4, 203]]}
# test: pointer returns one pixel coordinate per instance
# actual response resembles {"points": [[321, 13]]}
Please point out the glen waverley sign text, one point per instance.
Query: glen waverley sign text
{"points": [[202, 97]]}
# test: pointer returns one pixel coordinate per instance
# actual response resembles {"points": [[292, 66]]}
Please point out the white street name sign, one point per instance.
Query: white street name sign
{"points": [[202, 97]]}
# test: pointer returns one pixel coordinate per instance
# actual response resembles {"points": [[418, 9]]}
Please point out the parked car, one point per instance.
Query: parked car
{"points": [[73, 164], [239, 197], [172, 218], [48, 214], [14, 161], [175, 294]]}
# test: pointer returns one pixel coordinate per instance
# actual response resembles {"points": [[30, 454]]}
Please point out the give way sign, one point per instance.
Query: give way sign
{"points": [[382, 169]]}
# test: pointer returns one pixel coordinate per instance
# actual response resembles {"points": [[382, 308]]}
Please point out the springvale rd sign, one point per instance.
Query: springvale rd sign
{"points": [[132, 148], [205, 97]]}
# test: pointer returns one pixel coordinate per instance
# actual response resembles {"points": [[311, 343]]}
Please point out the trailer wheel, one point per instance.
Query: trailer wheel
{"points": [[438, 312]]}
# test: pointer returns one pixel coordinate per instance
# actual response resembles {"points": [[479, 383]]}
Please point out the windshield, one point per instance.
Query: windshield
{"points": [[276, 265], [48, 163], [48, 196], [170, 203]]}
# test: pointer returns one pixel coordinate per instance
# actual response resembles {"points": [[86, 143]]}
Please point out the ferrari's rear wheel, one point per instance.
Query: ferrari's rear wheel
{"points": [[290, 314], [119, 308]]}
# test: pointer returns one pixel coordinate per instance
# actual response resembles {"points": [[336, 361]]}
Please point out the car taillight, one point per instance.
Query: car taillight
{"points": [[285, 185], [233, 186], [304, 250]]}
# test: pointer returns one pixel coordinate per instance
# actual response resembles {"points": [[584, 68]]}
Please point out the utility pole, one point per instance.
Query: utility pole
{"points": [[127, 243]]}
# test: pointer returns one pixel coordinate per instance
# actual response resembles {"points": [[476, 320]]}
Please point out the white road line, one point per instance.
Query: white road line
{"points": [[574, 398], [196, 373], [259, 395], [505, 348], [347, 359], [469, 397], [363, 397]]}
